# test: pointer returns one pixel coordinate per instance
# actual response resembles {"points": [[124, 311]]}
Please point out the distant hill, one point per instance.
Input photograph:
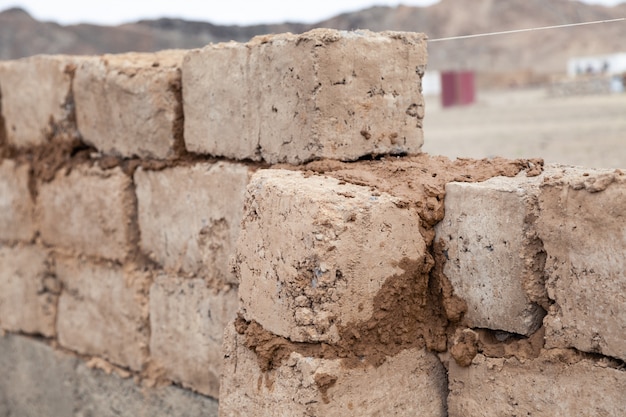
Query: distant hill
{"points": [[541, 52]]}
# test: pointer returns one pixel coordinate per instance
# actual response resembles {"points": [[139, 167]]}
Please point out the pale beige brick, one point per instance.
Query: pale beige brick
{"points": [[583, 228], [16, 204], [187, 320], [313, 253], [129, 104], [35, 94], [495, 260], [103, 311], [189, 217], [89, 211], [28, 291], [412, 383], [558, 384], [294, 98]]}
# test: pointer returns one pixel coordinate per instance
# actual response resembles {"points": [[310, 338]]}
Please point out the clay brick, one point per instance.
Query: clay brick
{"points": [[34, 96], [16, 204], [88, 211], [583, 228], [313, 253], [28, 291], [546, 387], [495, 260], [103, 311], [40, 381], [187, 320], [294, 98], [412, 383], [189, 217], [129, 104]]}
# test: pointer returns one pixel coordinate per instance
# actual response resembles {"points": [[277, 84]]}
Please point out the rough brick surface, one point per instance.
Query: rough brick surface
{"points": [[189, 217], [129, 104], [28, 291], [16, 204], [39, 381], [313, 253], [88, 211], [293, 98], [103, 311], [555, 385], [413, 383], [583, 228], [493, 254], [34, 95], [187, 321]]}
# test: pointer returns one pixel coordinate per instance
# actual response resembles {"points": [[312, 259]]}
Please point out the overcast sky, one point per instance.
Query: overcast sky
{"points": [[241, 12]]}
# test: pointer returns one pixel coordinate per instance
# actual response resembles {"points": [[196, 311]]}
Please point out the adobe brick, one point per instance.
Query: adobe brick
{"points": [[313, 252], [103, 311], [16, 205], [129, 104], [28, 290], [294, 98], [88, 211], [35, 95], [189, 217], [187, 320]]}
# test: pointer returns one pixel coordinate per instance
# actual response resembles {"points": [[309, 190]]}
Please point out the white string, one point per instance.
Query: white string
{"points": [[479, 35]]}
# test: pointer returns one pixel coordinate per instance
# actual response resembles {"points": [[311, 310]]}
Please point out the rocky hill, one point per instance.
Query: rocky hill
{"points": [[541, 52]]}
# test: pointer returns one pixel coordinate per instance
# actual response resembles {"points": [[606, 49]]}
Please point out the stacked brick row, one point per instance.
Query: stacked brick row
{"points": [[541, 257], [122, 181], [145, 229]]}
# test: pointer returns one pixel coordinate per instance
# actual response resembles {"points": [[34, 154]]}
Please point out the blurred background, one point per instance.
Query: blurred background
{"points": [[557, 94]]}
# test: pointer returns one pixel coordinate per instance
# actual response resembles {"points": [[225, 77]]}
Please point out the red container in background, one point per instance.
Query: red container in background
{"points": [[457, 88]]}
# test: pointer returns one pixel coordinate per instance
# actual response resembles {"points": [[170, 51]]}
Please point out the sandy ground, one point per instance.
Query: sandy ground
{"points": [[589, 131]]}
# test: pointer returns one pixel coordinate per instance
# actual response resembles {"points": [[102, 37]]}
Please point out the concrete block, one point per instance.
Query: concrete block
{"points": [[16, 205], [187, 320], [36, 380], [554, 385], [88, 211], [28, 291], [294, 98], [103, 311], [129, 104], [35, 97], [313, 253], [411, 383], [103, 395], [189, 217], [39, 381], [583, 228], [495, 261]]}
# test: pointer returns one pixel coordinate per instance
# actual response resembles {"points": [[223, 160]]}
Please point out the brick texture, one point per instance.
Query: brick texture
{"points": [[16, 205], [129, 104], [88, 211], [304, 279], [189, 217], [558, 384], [103, 311], [187, 320], [412, 383], [494, 259], [28, 291], [583, 228], [294, 98], [35, 95]]}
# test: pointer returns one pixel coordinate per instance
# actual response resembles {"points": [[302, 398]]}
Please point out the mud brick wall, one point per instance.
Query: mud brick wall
{"points": [[250, 229]]}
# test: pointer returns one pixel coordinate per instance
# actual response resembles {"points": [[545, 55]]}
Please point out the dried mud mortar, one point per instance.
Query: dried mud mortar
{"points": [[416, 308]]}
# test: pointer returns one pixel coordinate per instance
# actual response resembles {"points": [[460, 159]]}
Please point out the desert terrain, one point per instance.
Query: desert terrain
{"points": [[588, 131]]}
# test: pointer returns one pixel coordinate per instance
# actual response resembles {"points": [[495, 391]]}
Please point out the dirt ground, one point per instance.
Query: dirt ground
{"points": [[588, 131]]}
